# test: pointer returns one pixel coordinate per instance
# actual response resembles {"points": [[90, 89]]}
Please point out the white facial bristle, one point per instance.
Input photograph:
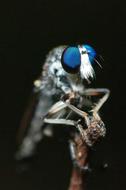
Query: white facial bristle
{"points": [[86, 69]]}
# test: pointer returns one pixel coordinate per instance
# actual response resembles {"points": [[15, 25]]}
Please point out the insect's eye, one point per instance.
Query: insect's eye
{"points": [[91, 52], [71, 59]]}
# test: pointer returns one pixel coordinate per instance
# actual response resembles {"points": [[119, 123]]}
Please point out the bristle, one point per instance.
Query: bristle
{"points": [[86, 69]]}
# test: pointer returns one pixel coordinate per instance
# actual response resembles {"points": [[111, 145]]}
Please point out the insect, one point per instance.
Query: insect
{"points": [[60, 93]]}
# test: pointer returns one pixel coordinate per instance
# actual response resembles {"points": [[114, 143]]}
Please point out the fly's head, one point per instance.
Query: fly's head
{"points": [[79, 59]]}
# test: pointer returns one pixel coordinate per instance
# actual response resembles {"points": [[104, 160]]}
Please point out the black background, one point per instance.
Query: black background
{"points": [[27, 31]]}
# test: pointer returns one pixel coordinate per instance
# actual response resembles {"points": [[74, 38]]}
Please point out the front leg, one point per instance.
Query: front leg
{"points": [[97, 92], [95, 126], [55, 111]]}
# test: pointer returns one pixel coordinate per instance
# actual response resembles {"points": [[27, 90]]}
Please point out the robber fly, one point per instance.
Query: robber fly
{"points": [[61, 87]]}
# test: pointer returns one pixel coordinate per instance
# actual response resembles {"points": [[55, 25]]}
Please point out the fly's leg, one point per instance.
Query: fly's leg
{"points": [[78, 111], [60, 106], [54, 115], [95, 126], [34, 134], [97, 92], [96, 108]]}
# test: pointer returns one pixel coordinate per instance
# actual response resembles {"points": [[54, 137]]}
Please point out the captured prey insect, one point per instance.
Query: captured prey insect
{"points": [[60, 92]]}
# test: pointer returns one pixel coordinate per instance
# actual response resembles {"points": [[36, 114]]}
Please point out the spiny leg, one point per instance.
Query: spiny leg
{"points": [[95, 110], [78, 111], [97, 92], [51, 120], [53, 115], [95, 126], [57, 107], [69, 122]]}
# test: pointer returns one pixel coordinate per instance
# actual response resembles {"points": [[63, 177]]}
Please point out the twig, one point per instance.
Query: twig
{"points": [[77, 181]]}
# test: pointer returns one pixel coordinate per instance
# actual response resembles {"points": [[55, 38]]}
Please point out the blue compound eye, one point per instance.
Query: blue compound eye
{"points": [[91, 52], [71, 59]]}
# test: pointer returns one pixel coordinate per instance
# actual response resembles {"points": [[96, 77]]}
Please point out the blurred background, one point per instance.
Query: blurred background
{"points": [[28, 30]]}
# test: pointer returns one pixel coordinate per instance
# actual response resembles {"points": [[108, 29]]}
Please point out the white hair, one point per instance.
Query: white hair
{"points": [[86, 69]]}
